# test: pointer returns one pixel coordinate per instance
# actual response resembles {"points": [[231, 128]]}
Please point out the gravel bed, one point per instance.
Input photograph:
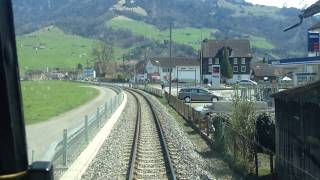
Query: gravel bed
{"points": [[112, 160], [187, 161]]}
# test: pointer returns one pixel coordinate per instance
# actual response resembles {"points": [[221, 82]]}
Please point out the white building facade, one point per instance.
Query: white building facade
{"points": [[183, 69]]}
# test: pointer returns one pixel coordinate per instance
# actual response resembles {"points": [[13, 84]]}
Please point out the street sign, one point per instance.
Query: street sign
{"points": [[313, 41], [216, 75]]}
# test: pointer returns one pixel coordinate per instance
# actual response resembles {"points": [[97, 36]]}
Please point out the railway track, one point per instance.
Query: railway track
{"points": [[150, 158]]}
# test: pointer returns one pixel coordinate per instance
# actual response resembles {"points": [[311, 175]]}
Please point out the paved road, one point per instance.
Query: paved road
{"points": [[41, 135]]}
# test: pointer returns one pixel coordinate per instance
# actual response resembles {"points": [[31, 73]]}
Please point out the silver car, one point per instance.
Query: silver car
{"points": [[198, 94]]}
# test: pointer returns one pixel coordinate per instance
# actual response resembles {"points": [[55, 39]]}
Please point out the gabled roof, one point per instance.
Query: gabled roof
{"points": [[176, 61], [240, 47], [265, 70]]}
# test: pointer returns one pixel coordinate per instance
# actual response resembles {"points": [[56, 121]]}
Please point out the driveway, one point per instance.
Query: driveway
{"points": [[41, 135]]}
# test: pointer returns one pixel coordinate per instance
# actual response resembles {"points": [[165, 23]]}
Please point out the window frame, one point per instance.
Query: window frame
{"points": [[243, 69], [217, 61], [243, 61], [235, 61], [235, 69]]}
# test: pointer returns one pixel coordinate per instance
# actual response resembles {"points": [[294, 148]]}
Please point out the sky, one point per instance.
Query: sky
{"points": [[280, 3]]}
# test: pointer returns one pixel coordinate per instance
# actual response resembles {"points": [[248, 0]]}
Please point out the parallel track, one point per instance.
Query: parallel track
{"points": [[150, 158]]}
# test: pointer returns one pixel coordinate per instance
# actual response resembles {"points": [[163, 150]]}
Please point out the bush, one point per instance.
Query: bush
{"points": [[219, 121], [266, 131]]}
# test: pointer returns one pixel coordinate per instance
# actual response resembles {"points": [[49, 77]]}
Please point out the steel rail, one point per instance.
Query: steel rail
{"points": [[163, 143], [130, 173]]}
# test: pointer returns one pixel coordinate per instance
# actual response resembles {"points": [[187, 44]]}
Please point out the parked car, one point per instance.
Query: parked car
{"points": [[248, 82], [164, 84], [198, 94]]}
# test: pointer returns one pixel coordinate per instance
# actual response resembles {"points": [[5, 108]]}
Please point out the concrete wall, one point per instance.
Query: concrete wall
{"points": [[235, 78]]}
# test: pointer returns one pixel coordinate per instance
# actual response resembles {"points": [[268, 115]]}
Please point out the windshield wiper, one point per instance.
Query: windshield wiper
{"points": [[310, 11]]}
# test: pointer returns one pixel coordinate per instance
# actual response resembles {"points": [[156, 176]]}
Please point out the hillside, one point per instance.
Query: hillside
{"points": [[187, 36], [51, 47], [145, 24]]}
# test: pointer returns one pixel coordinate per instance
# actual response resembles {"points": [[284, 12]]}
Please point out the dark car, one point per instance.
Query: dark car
{"points": [[198, 94]]}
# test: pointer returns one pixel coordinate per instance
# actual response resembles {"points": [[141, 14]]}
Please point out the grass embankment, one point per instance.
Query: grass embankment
{"points": [[51, 47], [45, 99]]}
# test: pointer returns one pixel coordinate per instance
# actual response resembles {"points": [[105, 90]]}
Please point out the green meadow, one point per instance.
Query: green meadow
{"points": [[45, 99], [187, 36], [50, 47]]}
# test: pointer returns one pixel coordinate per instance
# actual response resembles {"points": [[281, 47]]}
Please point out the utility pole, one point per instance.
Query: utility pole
{"points": [[124, 70], [170, 59]]}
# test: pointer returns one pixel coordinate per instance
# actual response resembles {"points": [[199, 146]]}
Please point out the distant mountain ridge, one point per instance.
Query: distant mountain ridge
{"points": [[231, 19]]}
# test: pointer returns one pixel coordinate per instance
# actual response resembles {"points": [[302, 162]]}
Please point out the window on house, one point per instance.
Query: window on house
{"points": [[243, 69], [235, 60], [216, 61], [166, 70], [243, 60], [235, 69], [210, 69], [210, 61]]}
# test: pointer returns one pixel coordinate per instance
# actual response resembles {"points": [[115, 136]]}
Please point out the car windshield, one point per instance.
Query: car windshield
{"points": [[160, 89]]}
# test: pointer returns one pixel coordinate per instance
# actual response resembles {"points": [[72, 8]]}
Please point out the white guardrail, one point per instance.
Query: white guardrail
{"points": [[65, 150]]}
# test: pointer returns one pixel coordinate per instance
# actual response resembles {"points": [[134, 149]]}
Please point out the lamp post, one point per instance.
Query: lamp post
{"points": [[170, 59]]}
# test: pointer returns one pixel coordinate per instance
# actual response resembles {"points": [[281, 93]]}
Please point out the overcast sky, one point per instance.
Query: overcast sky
{"points": [[280, 3]]}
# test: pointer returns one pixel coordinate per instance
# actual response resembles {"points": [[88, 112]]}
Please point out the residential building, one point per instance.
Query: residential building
{"points": [[183, 69], [239, 56], [261, 72]]}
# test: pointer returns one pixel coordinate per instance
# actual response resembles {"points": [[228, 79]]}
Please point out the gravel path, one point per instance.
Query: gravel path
{"points": [[112, 160], [41, 135]]}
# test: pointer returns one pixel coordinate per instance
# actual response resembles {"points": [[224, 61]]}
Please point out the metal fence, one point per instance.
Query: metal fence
{"points": [[64, 151]]}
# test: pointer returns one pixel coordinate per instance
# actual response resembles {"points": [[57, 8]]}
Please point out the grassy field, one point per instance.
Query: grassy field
{"points": [[45, 99], [187, 36], [54, 49], [259, 42], [265, 11]]}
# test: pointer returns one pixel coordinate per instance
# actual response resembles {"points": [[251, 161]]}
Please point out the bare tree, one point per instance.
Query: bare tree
{"points": [[102, 54]]}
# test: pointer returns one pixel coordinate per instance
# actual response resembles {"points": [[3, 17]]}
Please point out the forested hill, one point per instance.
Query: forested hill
{"points": [[127, 23]]}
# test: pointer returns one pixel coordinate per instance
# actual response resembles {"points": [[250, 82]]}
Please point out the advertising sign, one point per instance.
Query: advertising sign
{"points": [[216, 75], [313, 41]]}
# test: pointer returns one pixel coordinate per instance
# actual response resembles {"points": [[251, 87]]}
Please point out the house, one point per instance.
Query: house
{"points": [[35, 75], [261, 72], [183, 69], [297, 132], [239, 56]]}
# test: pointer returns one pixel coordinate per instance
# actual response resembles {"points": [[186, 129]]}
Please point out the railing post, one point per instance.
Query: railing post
{"points": [[105, 110], [98, 117], [86, 133], [65, 144], [256, 160], [271, 163]]}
